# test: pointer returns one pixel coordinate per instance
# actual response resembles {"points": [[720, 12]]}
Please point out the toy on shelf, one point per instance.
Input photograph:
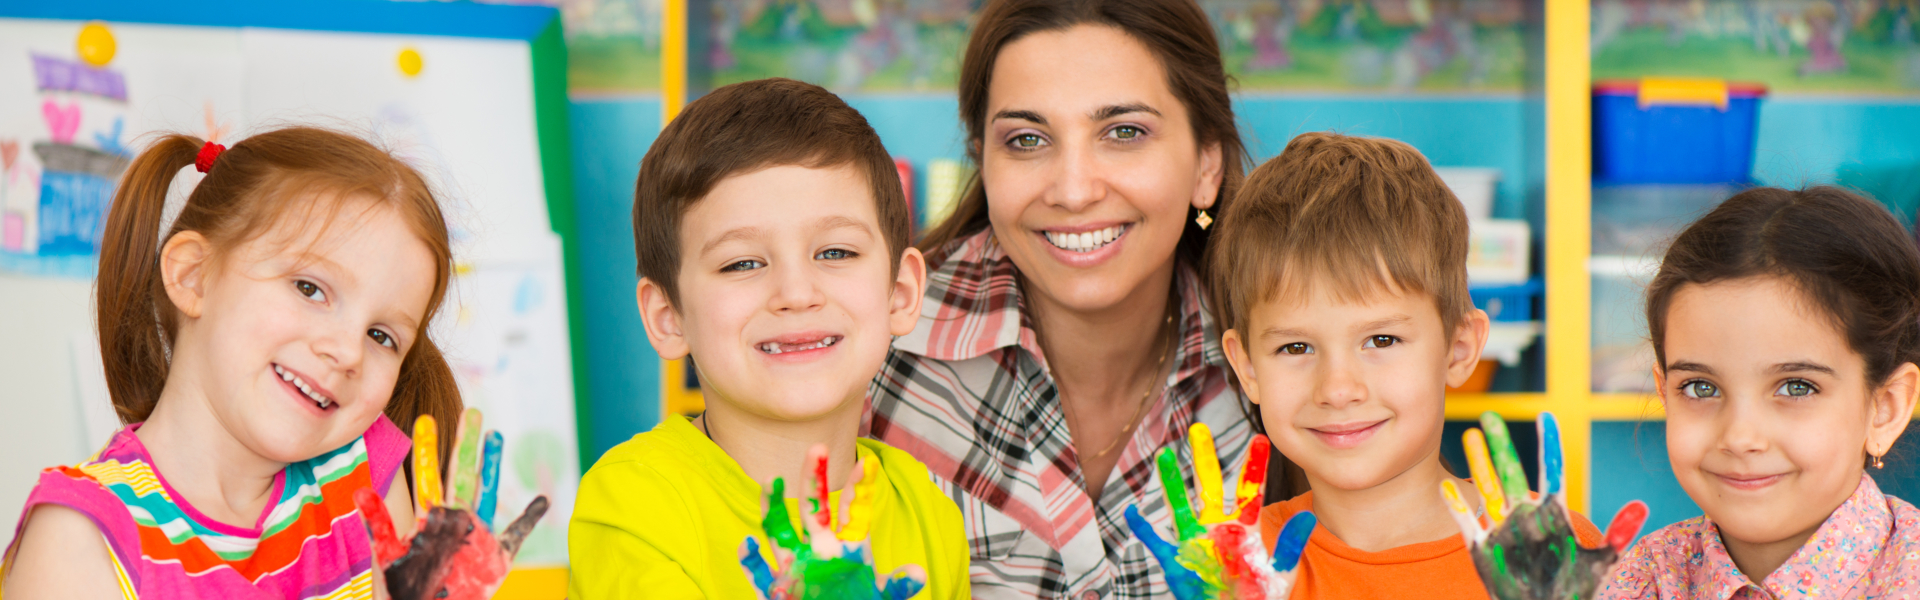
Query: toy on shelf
{"points": [[1217, 555], [453, 553], [833, 558], [1530, 552]]}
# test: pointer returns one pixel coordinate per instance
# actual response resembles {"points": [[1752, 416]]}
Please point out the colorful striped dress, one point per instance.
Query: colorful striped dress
{"points": [[309, 543]]}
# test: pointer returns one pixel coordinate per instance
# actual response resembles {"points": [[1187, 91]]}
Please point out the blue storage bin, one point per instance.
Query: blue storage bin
{"points": [[1507, 302], [1674, 131]]}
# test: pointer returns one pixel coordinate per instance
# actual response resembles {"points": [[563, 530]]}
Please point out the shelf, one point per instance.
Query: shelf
{"points": [[1521, 406]]}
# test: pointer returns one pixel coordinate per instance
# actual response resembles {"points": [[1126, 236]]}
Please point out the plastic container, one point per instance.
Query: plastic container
{"points": [[1474, 186], [1674, 130], [1505, 303]]}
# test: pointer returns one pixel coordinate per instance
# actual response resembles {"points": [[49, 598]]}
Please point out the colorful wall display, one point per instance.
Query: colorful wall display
{"points": [[1792, 46]]}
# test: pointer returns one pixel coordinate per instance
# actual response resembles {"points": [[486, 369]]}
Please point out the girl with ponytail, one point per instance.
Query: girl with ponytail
{"points": [[260, 348]]}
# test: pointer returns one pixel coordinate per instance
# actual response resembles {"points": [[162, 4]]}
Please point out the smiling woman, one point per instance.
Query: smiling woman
{"points": [[1065, 339]]}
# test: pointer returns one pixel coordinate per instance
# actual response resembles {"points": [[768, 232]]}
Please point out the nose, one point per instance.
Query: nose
{"points": [[1081, 179], [796, 289], [342, 347], [1341, 383], [1744, 430]]}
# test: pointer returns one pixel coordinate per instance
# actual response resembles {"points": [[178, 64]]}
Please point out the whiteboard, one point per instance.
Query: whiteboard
{"points": [[466, 120]]}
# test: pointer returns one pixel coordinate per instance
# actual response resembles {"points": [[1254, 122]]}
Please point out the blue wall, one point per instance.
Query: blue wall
{"points": [[609, 137]]}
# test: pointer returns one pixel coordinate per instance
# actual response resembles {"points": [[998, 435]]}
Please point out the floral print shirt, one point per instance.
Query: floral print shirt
{"points": [[1867, 550]]}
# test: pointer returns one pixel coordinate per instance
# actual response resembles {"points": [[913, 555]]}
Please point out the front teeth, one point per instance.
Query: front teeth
{"points": [[779, 348], [301, 384], [1085, 241]]}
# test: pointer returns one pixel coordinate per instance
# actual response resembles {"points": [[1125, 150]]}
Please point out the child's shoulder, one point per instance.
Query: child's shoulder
{"points": [[670, 447]]}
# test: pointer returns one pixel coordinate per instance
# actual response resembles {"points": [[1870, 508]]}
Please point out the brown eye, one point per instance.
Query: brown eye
{"points": [[1381, 341], [310, 291], [382, 338], [1296, 348]]}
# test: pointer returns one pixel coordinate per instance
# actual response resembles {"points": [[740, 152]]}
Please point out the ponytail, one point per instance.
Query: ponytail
{"points": [[136, 321], [258, 182]]}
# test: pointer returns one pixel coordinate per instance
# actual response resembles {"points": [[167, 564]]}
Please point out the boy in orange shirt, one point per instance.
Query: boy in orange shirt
{"points": [[1340, 276]]}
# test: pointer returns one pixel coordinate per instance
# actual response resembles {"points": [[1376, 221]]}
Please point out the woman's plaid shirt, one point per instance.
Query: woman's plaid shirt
{"points": [[969, 394]]}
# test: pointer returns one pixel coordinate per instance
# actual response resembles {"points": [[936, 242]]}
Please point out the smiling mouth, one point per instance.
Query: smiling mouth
{"points": [[777, 348], [1347, 435], [1087, 241], [1750, 482], [318, 399]]}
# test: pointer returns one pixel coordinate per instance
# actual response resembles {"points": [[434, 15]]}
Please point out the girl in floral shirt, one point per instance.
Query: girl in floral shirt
{"points": [[1786, 326]]}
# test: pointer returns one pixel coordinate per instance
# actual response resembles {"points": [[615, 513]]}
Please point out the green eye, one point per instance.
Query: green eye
{"points": [[1699, 389], [1027, 140], [1296, 348], [1795, 388], [1127, 132]]}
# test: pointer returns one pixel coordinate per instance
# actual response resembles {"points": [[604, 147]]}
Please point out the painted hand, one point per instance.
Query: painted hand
{"points": [[1531, 552], [453, 553], [1220, 556], [833, 558]]}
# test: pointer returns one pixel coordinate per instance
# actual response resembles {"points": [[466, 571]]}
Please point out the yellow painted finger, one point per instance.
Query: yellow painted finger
{"points": [[1480, 465], [1206, 474], [426, 464], [1462, 514]]}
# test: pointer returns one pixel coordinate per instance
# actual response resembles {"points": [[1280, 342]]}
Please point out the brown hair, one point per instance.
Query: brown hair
{"points": [[1359, 214], [259, 182], [742, 128], [1846, 253], [1175, 31]]}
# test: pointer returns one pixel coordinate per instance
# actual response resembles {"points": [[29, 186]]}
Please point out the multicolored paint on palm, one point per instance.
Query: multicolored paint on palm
{"points": [[453, 553], [831, 558], [1526, 548], [1219, 555]]}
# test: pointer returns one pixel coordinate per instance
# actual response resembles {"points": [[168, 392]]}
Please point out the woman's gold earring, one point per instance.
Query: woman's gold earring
{"points": [[1203, 220], [1878, 462]]}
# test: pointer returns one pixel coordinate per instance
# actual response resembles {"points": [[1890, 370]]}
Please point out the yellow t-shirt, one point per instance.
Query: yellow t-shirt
{"points": [[663, 515]]}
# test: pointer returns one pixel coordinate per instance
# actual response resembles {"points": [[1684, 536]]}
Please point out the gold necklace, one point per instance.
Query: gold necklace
{"points": [[1127, 432]]}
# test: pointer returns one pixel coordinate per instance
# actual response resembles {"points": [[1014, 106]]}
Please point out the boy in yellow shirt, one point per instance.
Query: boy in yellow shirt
{"points": [[771, 232], [1340, 272]]}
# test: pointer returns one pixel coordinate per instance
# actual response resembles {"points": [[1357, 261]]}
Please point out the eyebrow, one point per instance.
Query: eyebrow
{"points": [[732, 235], [1108, 112], [1385, 323], [1800, 367], [1024, 115], [1690, 366], [841, 222]]}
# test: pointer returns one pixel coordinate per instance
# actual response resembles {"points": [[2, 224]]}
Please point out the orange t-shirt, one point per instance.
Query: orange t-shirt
{"points": [[1436, 570]]}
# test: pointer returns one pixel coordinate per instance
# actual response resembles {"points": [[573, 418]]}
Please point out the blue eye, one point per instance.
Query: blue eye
{"points": [[1297, 348], [309, 290], [1699, 388], [1380, 341], [836, 254], [743, 265], [1796, 388]]}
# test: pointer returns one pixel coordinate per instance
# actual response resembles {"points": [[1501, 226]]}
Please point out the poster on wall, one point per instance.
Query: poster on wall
{"points": [[1791, 46]]}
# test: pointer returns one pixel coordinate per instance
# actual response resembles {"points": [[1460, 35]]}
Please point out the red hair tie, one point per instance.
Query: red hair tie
{"points": [[208, 154]]}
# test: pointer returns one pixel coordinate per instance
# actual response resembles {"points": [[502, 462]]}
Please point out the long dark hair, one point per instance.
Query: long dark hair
{"points": [[1846, 253], [1175, 31]]}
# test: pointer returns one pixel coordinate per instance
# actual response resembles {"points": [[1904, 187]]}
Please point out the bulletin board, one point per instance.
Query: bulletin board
{"points": [[472, 95]]}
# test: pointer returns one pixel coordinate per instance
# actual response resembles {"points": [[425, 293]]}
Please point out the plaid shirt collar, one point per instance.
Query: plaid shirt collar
{"points": [[975, 306]]}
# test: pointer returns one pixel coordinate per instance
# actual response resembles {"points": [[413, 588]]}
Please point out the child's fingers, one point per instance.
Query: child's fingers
{"points": [[904, 583], [463, 476], [426, 465], [386, 545], [856, 510], [817, 476], [1253, 481], [1506, 461], [1552, 462], [1293, 541], [516, 532], [1480, 465], [777, 523], [489, 478], [1185, 583], [1462, 514], [756, 567], [1626, 525], [1185, 526], [1206, 474]]}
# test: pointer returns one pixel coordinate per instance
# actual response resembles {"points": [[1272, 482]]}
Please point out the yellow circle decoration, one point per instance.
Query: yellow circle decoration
{"points": [[410, 63], [95, 44]]}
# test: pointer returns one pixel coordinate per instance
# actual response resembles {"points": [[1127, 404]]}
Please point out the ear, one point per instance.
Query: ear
{"points": [[1893, 408], [183, 271], [1237, 356], [662, 321], [1211, 171], [909, 289], [1660, 384], [1463, 354]]}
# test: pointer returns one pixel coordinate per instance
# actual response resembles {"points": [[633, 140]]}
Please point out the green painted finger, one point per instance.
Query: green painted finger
{"points": [[1184, 524], [1506, 461], [463, 478], [779, 524]]}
